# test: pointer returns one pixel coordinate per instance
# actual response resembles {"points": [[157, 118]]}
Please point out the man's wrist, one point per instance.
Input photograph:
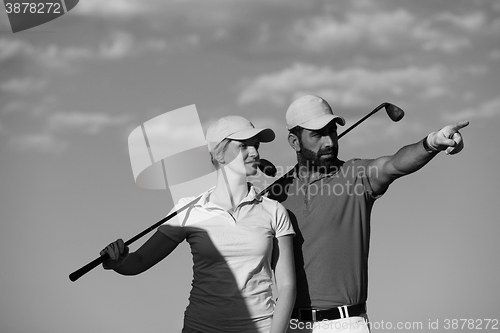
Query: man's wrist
{"points": [[429, 148]]}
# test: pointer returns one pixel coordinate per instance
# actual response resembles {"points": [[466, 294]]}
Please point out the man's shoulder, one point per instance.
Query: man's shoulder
{"points": [[354, 163], [348, 170]]}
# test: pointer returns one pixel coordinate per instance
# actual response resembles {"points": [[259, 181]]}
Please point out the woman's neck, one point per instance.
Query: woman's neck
{"points": [[230, 189]]}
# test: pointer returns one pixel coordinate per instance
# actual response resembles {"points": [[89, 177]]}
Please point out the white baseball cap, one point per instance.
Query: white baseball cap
{"points": [[311, 112], [235, 128]]}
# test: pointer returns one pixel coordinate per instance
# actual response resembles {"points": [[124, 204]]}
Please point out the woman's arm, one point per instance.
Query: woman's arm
{"points": [[149, 254], [284, 270]]}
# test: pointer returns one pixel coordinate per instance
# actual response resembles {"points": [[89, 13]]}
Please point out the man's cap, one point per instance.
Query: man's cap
{"points": [[235, 128], [311, 112]]}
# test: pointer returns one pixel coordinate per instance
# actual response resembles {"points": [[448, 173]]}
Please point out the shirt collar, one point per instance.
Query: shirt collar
{"points": [[251, 196], [295, 173], [318, 176]]}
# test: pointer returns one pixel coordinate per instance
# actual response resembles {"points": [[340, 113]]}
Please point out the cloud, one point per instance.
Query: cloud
{"points": [[122, 44], [13, 106], [40, 142], [451, 33], [434, 39], [51, 56], [11, 49], [55, 56], [350, 87], [487, 110], [23, 86], [494, 54], [117, 45], [89, 123], [118, 8], [52, 127], [444, 31], [324, 32], [472, 22]]}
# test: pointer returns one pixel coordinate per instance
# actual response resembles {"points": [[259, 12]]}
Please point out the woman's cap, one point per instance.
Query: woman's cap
{"points": [[311, 112], [235, 128]]}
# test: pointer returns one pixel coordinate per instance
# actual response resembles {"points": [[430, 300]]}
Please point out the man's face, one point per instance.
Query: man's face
{"points": [[319, 147]]}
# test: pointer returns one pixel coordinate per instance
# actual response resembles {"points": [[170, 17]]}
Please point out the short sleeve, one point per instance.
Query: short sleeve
{"points": [[174, 227], [362, 175], [283, 225]]}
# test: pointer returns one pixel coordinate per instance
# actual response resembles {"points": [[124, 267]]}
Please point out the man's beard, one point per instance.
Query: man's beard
{"points": [[314, 161]]}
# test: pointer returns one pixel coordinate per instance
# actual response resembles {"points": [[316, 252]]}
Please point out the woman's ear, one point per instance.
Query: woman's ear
{"points": [[219, 157]]}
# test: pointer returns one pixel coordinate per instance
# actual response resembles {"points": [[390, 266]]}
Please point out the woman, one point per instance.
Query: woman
{"points": [[237, 239]]}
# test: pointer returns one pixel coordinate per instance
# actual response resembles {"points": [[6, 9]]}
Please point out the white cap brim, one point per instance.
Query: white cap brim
{"points": [[263, 134], [321, 121]]}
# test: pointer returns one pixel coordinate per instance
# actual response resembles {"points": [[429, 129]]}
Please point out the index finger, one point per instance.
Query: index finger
{"points": [[121, 245], [459, 125]]}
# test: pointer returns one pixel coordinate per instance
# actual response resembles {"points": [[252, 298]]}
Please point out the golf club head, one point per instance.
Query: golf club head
{"points": [[267, 168], [395, 113]]}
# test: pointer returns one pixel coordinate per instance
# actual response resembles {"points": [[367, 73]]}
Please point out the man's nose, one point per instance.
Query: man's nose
{"points": [[252, 151], [327, 141]]}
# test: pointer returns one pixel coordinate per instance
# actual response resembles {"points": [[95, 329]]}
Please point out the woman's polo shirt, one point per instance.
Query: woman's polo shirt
{"points": [[232, 275]]}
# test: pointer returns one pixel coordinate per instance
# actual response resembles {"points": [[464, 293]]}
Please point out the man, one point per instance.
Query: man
{"points": [[329, 202]]}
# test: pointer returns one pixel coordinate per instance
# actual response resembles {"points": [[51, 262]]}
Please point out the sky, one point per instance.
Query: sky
{"points": [[73, 89]]}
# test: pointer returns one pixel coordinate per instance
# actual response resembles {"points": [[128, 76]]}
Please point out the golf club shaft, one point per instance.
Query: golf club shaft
{"points": [[96, 262], [266, 167], [362, 119], [340, 136]]}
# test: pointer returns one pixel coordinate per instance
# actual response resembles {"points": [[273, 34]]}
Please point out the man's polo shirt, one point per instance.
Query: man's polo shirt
{"points": [[331, 218], [232, 282]]}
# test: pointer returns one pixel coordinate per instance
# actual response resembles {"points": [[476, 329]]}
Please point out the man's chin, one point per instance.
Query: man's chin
{"points": [[322, 163], [326, 162]]}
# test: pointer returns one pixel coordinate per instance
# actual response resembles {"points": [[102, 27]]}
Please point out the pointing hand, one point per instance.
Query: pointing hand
{"points": [[448, 138]]}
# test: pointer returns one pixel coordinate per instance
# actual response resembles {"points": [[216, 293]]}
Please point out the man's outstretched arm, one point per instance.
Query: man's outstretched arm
{"points": [[384, 170]]}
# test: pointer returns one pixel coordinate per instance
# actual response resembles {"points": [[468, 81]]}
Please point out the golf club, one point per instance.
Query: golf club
{"points": [[395, 113], [268, 168], [91, 265]]}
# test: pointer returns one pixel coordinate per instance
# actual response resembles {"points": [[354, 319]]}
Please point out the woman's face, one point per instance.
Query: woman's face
{"points": [[249, 153]]}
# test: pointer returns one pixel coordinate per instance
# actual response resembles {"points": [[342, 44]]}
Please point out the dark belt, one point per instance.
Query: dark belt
{"points": [[330, 314]]}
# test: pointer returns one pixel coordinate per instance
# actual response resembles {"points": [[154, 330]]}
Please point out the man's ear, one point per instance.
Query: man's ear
{"points": [[294, 142]]}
